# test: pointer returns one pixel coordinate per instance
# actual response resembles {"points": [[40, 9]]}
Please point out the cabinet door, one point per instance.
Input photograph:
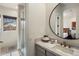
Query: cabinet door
{"points": [[51, 54], [39, 51]]}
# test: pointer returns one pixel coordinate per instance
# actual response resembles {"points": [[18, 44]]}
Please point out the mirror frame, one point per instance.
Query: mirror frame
{"points": [[50, 23]]}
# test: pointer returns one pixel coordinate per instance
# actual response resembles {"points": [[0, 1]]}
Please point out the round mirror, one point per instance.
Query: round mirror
{"points": [[64, 20]]}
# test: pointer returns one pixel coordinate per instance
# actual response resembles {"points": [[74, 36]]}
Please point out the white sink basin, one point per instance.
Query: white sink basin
{"points": [[63, 49], [71, 51], [75, 52]]}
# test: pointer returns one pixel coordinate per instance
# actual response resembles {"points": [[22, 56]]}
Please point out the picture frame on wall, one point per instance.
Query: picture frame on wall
{"points": [[1, 24], [9, 23]]}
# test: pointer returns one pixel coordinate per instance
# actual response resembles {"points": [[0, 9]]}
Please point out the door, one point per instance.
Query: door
{"points": [[22, 40]]}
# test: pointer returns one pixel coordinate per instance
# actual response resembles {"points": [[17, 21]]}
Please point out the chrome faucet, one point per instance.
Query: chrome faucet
{"points": [[64, 44]]}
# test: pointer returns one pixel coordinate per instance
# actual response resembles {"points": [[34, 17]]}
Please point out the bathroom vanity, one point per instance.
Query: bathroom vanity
{"points": [[64, 23], [48, 49], [43, 50]]}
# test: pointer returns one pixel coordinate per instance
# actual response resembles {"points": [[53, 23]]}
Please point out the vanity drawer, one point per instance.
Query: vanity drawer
{"points": [[51, 54]]}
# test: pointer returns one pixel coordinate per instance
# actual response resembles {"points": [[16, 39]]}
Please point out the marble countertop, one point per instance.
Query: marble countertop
{"points": [[48, 46]]}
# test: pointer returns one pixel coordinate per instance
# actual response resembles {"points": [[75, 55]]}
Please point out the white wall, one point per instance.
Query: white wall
{"points": [[36, 18], [49, 8], [8, 37]]}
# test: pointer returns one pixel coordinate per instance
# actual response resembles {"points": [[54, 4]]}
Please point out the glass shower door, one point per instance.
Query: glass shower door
{"points": [[21, 41]]}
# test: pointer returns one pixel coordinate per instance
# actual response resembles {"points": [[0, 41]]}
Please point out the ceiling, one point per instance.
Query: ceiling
{"points": [[10, 5]]}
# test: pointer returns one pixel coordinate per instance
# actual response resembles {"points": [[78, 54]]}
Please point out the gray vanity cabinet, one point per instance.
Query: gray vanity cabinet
{"points": [[51, 54], [39, 51]]}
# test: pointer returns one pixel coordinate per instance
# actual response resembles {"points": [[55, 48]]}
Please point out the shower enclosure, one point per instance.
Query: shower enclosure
{"points": [[22, 42]]}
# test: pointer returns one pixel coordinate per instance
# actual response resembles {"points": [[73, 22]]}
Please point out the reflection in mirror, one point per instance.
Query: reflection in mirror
{"points": [[64, 20]]}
